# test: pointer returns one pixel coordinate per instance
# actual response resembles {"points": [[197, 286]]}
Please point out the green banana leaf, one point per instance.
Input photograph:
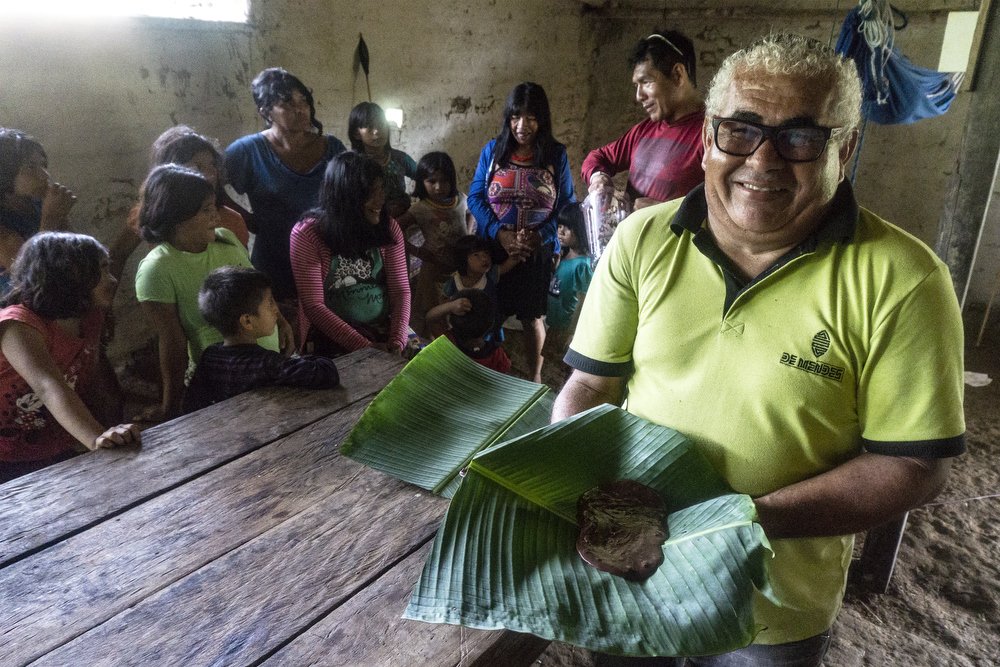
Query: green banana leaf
{"points": [[402, 435], [506, 557]]}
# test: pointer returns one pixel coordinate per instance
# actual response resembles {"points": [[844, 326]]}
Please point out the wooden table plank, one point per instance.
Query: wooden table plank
{"points": [[368, 630], [68, 588], [49, 505], [246, 604]]}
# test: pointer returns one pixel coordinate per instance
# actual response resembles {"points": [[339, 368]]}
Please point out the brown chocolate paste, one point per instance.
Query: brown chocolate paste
{"points": [[622, 529]]}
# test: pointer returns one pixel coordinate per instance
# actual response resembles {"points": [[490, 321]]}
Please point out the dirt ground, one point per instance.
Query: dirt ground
{"points": [[943, 602]]}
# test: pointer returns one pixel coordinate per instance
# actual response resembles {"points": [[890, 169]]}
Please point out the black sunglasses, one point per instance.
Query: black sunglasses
{"points": [[794, 143]]}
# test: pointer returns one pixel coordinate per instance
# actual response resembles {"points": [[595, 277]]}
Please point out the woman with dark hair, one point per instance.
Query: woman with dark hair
{"points": [[178, 214], [349, 263], [368, 131], [280, 171], [50, 333], [29, 201], [182, 145], [522, 180]]}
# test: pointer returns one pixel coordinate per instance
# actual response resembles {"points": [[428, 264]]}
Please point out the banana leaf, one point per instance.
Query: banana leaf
{"points": [[401, 434], [505, 556]]}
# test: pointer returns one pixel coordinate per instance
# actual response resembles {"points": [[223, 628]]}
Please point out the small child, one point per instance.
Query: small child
{"points": [[569, 282], [442, 217], [369, 134], [50, 334], [472, 255], [238, 302], [471, 326]]}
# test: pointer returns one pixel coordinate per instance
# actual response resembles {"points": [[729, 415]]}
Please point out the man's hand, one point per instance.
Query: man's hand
{"points": [[118, 436], [600, 181], [643, 202], [56, 206]]}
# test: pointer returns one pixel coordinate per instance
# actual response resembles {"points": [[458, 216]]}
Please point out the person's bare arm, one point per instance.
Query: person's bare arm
{"points": [[25, 350], [453, 307], [173, 358], [124, 243], [583, 391], [857, 495]]}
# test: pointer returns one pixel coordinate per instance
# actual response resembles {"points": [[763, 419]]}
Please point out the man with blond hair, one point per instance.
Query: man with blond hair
{"points": [[811, 350]]}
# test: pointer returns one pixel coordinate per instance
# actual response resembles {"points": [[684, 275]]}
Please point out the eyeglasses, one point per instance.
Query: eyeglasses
{"points": [[802, 143]]}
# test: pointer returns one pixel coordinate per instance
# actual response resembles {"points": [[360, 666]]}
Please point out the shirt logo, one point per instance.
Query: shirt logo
{"points": [[819, 345]]}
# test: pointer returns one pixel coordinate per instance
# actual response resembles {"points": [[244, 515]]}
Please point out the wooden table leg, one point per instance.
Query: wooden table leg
{"points": [[878, 555]]}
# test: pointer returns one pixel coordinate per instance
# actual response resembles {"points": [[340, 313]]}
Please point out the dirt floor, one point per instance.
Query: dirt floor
{"points": [[943, 602]]}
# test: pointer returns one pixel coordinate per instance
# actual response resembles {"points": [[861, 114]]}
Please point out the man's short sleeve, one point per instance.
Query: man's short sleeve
{"points": [[605, 333], [910, 391]]}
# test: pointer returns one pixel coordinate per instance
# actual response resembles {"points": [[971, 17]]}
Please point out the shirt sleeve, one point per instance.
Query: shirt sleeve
{"points": [[308, 261], [597, 348], [584, 274], [153, 282], [911, 389], [610, 159], [238, 166], [397, 286], [487, 223]]}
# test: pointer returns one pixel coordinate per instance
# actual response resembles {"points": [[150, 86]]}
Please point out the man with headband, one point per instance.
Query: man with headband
{"points": [[662, 154]]}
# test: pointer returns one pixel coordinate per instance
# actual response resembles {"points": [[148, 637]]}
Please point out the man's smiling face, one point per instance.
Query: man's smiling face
{"points": [[762, 198]]}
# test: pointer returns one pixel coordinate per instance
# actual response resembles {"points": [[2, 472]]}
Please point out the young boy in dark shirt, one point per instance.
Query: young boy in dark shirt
{"points": [[238, 302]]}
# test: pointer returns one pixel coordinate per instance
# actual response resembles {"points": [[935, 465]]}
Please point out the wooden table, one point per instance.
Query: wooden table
{"points": [[237, 535]]}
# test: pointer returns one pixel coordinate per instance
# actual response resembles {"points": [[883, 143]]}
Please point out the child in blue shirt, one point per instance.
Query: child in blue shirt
{"points": [[569, 282]]}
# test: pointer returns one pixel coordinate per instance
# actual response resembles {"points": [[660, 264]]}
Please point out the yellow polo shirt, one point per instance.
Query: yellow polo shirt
{"points": [[851, 342]]}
